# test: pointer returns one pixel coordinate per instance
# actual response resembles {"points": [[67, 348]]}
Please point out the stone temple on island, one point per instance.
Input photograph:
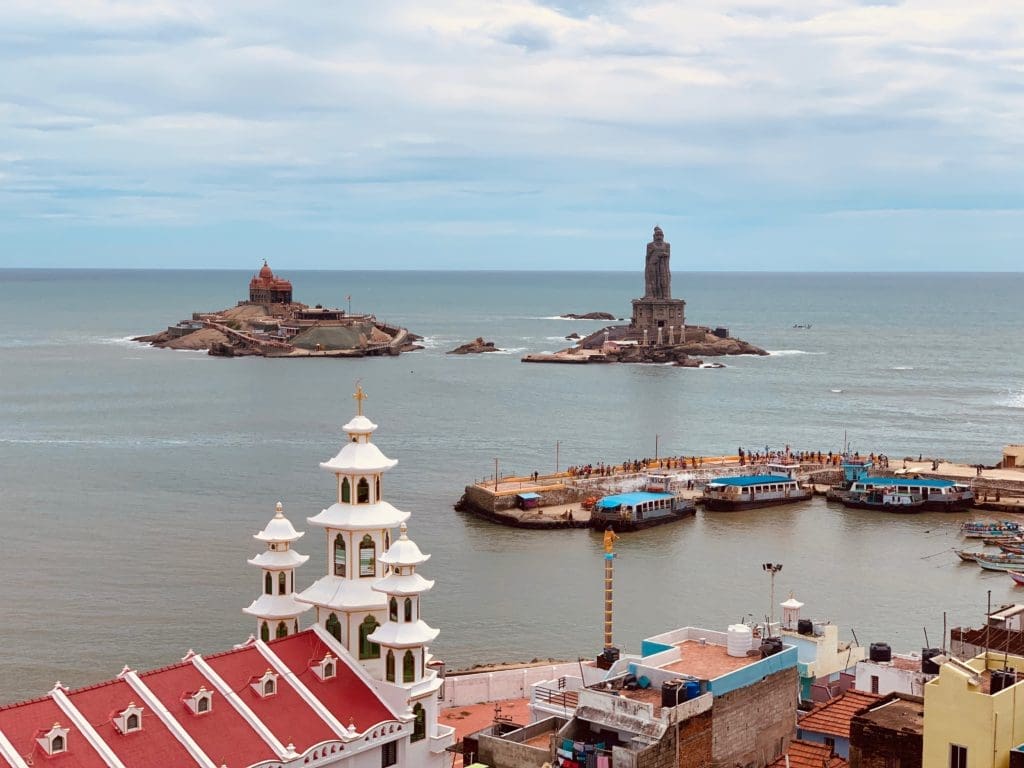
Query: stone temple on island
{"points": [[657, 332], [271, 323]]}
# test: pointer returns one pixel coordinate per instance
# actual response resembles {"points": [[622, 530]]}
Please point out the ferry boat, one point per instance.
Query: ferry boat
{"points": [[779, 486], [936, 495], [886, 499], [984, 529], [656, 504]]}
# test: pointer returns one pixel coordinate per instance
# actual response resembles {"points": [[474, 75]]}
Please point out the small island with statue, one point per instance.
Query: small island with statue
{"points": [[657, 332], [271, 324]]}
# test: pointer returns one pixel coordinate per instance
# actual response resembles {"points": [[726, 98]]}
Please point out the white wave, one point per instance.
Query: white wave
{"points": [[555, 338], [712, 365], [902, 368], [1013, 399], [790, 352], [429, 342], [836, 391], [124, 341], [509, 351]]}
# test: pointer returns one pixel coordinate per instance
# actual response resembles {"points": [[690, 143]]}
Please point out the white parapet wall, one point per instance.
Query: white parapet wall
{"points": [[464, 688]]}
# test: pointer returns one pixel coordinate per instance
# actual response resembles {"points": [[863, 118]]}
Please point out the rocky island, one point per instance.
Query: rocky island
{"points": [[271, 324], [657, 332], [474, 347]]}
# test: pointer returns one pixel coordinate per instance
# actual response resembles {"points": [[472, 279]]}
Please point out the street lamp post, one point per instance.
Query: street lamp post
{"points": [[558, 444], [771, 569]]}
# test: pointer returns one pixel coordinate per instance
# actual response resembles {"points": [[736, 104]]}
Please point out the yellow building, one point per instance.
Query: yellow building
{"points": [[974, 712]]}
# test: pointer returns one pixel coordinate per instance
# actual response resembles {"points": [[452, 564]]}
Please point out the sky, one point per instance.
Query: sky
{"points": [[835, 135]]}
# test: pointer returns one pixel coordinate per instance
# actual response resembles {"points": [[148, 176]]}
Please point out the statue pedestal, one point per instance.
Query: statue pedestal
{"points": [[653, 314]]}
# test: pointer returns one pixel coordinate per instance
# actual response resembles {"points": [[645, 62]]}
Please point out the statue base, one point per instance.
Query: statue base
{"points": [[650, 315]]}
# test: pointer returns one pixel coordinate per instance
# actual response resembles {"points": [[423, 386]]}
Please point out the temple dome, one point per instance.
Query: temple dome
{"points": [[266, 272], [279, 528], [404, 551]]}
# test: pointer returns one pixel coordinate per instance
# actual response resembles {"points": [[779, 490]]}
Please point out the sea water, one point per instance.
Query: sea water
{"points": [[132, 478]]}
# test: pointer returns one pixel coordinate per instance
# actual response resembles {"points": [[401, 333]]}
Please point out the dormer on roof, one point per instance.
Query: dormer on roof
{"points": [[129, 719], [326, 668], [200, 702], [266, 685], [55, 740]]}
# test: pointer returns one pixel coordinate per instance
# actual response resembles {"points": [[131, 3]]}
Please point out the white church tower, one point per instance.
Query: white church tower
{"points": [[276, 609], [358, 529]]}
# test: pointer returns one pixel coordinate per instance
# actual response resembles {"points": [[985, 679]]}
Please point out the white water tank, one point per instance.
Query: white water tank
{"points": [[739, 639]]}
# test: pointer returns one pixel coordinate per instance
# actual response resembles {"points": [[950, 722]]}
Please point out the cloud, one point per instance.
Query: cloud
{"points": [[538, 117]]}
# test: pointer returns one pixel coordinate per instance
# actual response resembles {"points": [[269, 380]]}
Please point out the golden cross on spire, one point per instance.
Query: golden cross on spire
{"points": [[359, 396]]}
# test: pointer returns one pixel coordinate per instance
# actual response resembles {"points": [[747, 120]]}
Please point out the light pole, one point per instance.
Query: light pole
{"points": [[558, 444], [495, 473], [771, 569], [656, 436]]}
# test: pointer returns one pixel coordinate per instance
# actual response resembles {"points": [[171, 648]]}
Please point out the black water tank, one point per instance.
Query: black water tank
{"points": [[805, 626], [770, 646], [672, 693], [880, 652], [1002, 678], [928, 666], [611, 654]]}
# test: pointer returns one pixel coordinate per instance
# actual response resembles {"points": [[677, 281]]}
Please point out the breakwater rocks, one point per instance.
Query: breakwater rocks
{"points": [[618, 344], [474, 347], [589, 316]]}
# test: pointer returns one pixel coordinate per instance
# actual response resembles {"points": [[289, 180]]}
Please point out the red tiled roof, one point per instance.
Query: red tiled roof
{"points": [[806, 754], [221, 733], [348, 697], [153, 745], [833, 717], [25, 722], [285, 713]]}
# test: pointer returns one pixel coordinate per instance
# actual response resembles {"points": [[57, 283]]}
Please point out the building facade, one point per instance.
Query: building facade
{"points": [[266, 288]]}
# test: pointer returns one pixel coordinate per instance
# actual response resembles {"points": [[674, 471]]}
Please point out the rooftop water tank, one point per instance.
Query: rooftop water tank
{"points": [[738, 640], [805, 627], [880, 652], [673, 692], [927, 665], [1002, 678], [770, 646]]}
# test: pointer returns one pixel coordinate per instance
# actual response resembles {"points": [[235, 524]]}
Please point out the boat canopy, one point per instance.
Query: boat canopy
{"points": [[745, 480], [528, 496], [921, 482], [631, 499]]}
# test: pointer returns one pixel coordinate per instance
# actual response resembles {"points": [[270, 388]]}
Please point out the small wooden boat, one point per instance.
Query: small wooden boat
{"points": [[966, 555], [980, 529], [1000, 562], [996, 541], [1017, 576], [1011, 549]]}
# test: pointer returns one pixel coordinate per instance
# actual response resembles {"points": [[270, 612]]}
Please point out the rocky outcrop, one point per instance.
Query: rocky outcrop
{"points": [[572, 337], [476, 346], [589, 316]]}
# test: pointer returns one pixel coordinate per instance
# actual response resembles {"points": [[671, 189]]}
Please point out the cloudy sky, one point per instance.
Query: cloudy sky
{"points": [[509, 134]]}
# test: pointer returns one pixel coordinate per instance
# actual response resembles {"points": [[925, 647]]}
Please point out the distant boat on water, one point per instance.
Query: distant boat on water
{"points": [[779, 486], [658, 503], [804, 326]]}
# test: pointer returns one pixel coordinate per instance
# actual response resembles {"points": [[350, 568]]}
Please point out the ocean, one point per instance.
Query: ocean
{"points": [[131, 478]]}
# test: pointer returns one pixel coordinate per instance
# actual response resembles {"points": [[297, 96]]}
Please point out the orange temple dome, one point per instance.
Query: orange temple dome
{"points": [[267, 288]]}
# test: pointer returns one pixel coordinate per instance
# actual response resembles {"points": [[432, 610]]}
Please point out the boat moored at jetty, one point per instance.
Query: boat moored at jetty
{"points": [[779, 486], [989, 529], [886, 499], [967, 556], [935, 494], [656, 504], [1017, 576]]}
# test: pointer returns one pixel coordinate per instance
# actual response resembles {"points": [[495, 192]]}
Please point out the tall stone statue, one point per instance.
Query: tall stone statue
{"points": [[657, 273]]}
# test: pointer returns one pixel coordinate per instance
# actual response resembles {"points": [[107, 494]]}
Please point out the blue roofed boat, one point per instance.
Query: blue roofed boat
{"points": [[779, 486], [923, 493], [658, 503]]}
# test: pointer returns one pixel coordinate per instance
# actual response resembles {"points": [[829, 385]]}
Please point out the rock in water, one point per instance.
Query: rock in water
{"points": [[474, 347], [589, 316]]}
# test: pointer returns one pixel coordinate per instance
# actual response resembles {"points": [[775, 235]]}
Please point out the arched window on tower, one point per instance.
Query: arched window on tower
{"points": [[333, 626], [346, 490], [367, 556], [408, 667], [419, 727], [387, 539], [268, 584], [362, 491], [408, 609], [377, 485], [393, 609], [282, 629], [265, 632], [339, 555], [367, 649], [389, 666], [282, 583]]}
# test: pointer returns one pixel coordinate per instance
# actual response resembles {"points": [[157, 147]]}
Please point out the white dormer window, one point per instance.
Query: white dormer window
{"points": [[130, 720], [326, 668], [265, 686], [200, 702], [55, 740]]}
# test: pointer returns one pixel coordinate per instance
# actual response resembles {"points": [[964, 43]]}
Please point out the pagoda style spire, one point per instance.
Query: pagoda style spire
{"points": [[403, 638], [276, 609], [358, 528]]}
